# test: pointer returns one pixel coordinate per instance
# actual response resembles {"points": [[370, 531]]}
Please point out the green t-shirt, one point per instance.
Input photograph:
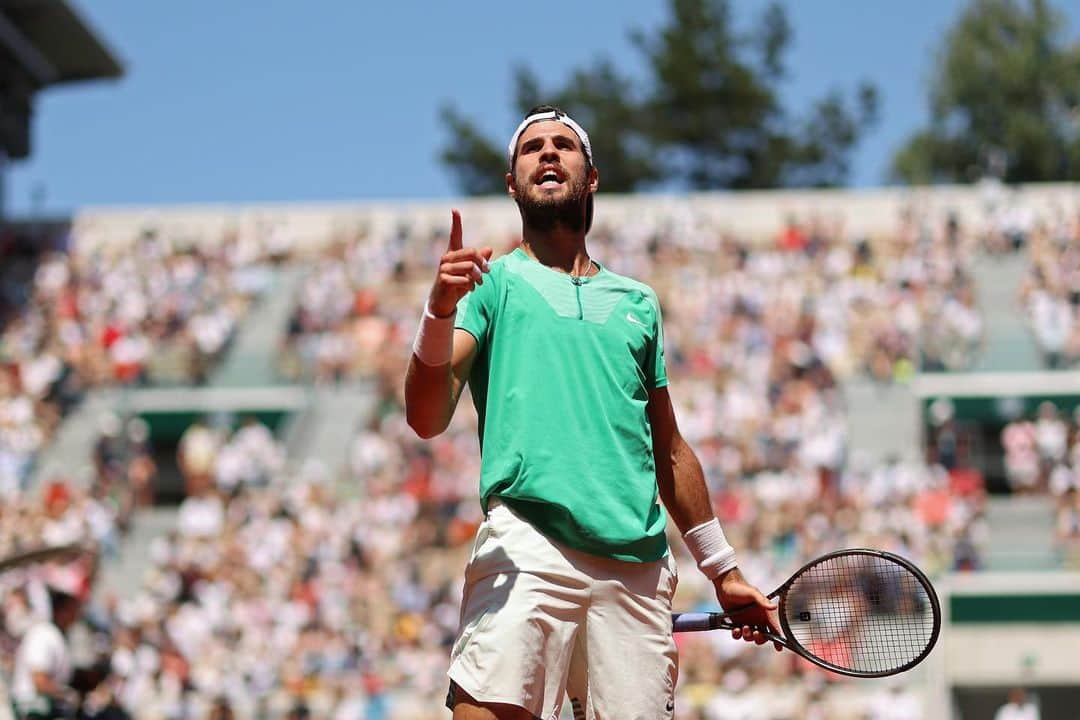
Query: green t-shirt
{"points": [[561, 381]]}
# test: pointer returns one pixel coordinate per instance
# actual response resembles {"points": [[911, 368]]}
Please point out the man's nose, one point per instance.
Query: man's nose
{"points": [[549, 152]]}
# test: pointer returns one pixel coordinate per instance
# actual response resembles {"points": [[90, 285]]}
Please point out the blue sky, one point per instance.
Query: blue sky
{"points": [[246, 101]]}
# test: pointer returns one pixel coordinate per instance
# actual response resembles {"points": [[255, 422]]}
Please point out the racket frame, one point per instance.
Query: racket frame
{"points": [[693, 622]]}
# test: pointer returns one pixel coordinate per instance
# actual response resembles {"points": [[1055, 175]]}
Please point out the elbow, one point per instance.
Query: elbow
{"points": [[423, 432], [424, 427], [423, 413]]}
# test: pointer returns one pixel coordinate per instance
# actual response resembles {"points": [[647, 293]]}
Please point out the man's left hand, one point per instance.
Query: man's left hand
{"points": [[732, 590]]}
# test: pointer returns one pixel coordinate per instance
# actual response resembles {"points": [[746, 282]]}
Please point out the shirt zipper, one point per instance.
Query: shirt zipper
{"points": [[577, 292]]}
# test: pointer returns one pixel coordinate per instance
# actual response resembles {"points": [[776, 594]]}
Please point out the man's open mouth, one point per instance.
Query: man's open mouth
{"points": [[550, 177]]}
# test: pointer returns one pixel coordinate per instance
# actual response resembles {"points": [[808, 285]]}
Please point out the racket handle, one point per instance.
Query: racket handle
{"points": [[694, 622], [701, 622]]}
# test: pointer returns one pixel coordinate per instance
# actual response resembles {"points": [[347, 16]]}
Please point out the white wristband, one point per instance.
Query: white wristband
{"points": [[434, 344], [711, 550]]}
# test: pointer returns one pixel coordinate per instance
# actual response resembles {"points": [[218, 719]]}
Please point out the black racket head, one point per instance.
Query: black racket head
{"points": [[862, 613]]}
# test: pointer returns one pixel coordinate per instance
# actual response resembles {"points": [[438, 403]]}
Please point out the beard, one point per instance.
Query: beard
{"points": [[545, 214]]}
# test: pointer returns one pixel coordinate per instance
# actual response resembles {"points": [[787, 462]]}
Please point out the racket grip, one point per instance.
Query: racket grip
{"points": [[693, 622]]}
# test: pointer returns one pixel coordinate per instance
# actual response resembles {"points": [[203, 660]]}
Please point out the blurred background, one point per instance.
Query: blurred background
{"points": [[219, 225]]}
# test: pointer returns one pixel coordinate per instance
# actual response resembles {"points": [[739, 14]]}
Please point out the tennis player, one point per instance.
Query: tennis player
{"points": [[568, 589]]}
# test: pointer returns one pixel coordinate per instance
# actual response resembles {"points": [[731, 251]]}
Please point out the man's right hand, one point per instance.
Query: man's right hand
{"points": [[460, 270]]}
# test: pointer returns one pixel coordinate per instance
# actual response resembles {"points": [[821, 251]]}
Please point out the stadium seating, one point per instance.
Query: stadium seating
{"points": [[286, 583]]}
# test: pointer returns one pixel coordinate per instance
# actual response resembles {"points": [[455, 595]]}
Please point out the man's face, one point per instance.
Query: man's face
{"points": [[551, 178]]}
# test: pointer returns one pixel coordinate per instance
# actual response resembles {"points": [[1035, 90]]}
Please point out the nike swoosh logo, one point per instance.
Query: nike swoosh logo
{"points": [[634, 320]]}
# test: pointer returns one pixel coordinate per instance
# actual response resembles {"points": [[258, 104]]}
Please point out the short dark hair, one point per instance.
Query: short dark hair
{"points": [[545, 109]]}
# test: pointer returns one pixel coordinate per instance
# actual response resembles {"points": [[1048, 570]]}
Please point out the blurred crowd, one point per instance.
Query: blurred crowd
{"points": [[279, 596], [1042, 455], [329, 605], [91, 513], [95, 506], [156, 312], [880, 306], [1049, 240], [1051, 291], [287, 592], [273, 597]]}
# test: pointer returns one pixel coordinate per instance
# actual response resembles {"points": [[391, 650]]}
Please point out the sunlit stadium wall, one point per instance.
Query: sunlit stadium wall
{"points": [[1005, 630], [751, 216]]}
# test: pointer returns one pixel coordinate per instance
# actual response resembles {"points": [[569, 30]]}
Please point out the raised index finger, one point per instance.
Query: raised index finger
{"points": [[455, 230]]}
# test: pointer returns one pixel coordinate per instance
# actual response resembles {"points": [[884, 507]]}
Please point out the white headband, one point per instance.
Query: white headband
{"points": [[558, 116]]}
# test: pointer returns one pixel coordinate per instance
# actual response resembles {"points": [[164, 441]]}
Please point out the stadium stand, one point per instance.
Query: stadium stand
{"points": [[318, 571], [150, 315]]}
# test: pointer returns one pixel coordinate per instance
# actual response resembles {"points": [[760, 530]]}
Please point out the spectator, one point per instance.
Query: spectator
{"points": [[1018, 438], [43, 666], [1051, 435], [1051, 291], [1067, 529], [896, 703], [1018, 707]]}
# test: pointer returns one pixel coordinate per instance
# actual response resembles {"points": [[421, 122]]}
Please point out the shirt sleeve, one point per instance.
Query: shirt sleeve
{"points": [[476, 311], [655, 362]]}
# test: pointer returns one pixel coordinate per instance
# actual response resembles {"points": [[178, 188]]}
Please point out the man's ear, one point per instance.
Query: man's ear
{"points": [[511, 187], [594, 179]]}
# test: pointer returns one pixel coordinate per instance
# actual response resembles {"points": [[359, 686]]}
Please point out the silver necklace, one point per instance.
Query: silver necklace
{"points": [[587, 273]]}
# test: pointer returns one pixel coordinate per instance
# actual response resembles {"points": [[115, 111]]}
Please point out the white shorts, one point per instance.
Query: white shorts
{"points": [[540, 621]]}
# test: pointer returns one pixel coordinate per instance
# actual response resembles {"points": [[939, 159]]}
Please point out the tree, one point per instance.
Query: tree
{"points": [[717, 111], [828, 134], [708, 117], [598, 97], [477, 163], [1005, 100]]}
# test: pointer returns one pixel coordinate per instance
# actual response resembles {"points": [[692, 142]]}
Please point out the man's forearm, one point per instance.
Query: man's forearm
{"points": [[431, 386], [428, 397], [681, 483], [682, 486], [686, 496]]}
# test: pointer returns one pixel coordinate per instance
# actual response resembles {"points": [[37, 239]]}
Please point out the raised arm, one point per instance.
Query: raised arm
{"points": [[443, 356], [431, 393]]}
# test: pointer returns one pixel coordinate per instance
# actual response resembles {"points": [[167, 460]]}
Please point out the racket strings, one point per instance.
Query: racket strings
{"points": [[863, 613]]}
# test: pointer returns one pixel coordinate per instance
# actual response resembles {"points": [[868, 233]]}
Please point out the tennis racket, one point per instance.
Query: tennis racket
{"points": [[862, 613], [41, 554]]}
